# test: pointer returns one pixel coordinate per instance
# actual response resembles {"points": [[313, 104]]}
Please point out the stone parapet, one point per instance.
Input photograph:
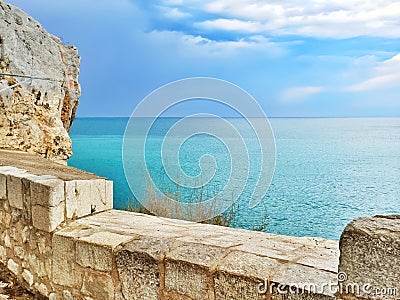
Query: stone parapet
{"points": [[136, 256], [61, 238], [37, 201], [370, 258]]}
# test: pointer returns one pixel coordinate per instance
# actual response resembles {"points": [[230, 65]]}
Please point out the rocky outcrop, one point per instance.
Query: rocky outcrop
{"points": [[36, 115]]}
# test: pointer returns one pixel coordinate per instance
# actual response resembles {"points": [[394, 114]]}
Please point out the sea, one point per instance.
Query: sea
{"points": [[328, 171]]}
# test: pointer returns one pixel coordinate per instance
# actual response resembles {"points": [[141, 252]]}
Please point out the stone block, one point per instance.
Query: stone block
{"points": [[64, 268], [99, 191], [98, 285], [186, 279], [33, 262], [66, 274], [94, 256], [300, 279], [317, 257], [42, 289], [248, 264], [76, 230], [3, 254], [19, 252], [65, 271], [138, 267], [109, 197], [13, 266], [48, 218], [230, 286], [3, 187], [63, 248], [7, 241], [14, 192], [96, 250], [369, 257], [25, 234], [28, 277], [47, 192], [240, 275], [187, 268], [67, 295], [71, 199], [26, 199], [53, 296], [8, 170], [84, 197]]}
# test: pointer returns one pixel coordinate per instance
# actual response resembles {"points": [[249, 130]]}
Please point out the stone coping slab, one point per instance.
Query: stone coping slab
{"points": [[37, 165], [176, 259]]}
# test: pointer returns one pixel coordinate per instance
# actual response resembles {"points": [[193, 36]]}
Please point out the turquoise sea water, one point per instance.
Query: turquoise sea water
{"points": [[328, 170]]}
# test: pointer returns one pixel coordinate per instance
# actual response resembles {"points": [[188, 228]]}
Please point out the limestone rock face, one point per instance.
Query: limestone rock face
{"points": [[36, 115]]}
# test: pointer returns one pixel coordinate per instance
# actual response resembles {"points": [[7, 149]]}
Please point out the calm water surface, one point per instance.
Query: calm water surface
{"points": [[328, 171]]}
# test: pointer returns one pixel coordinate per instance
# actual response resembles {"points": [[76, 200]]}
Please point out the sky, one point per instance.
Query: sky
{"points": [[316, 58]]}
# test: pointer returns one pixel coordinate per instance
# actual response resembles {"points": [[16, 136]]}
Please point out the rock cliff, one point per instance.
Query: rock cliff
{"points": [[36, 115]]}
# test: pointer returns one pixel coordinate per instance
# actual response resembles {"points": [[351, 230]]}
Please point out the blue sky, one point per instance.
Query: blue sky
{"points": [[297, 58]]}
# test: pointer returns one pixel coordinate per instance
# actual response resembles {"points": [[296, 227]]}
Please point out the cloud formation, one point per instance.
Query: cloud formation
{"points": [[297, 58], [315, 18], [386, 74]]}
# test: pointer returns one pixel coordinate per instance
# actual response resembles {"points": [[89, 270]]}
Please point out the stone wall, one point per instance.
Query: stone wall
{"points": [[61, 238], [34, 203], [36, 115]]}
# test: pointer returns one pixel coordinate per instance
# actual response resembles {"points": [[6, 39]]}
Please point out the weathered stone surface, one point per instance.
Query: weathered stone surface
{"points": [[84, 197], [297, 277], [248, 264], [233, 287], [35, 165], [3, 187], [64, 249], [47, 192], [36, 115], [240, 274], [120, 255], [3, 254], [369, 256], [65, 271], [138, 267], [13, 266], [28, 277], [96, 250], [14, 187], [48, 218], [98, 285], [187, 268], [42, 289], [94, 256]]}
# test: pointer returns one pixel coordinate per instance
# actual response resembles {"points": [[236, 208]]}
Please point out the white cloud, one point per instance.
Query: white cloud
{"points": [[385, 74], [231, 25], [201, 46], [376, 82], [313, 18], [298, 94], [176, 13]]}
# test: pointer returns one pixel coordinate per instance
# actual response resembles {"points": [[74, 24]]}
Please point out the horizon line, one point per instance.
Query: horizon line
{"points": [[236, 117]]}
